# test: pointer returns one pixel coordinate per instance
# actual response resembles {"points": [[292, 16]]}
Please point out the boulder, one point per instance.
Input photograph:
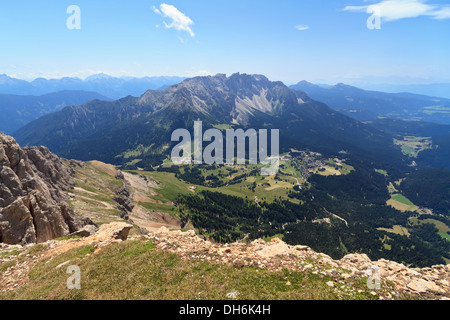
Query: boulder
{"points": [[114, 230], [356, 258], [278, 249]]}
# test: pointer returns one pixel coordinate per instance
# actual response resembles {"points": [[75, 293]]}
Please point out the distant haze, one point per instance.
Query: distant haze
{"points": [[112, 87]]}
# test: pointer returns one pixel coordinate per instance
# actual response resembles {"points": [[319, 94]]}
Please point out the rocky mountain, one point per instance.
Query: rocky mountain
{"points": [[18, 110], [33, 194], [138, 130], [109, 86], [235, 99], [369, 105]]}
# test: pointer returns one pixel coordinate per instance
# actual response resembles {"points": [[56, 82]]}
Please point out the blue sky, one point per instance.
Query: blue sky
{"points": [[325, 41]]}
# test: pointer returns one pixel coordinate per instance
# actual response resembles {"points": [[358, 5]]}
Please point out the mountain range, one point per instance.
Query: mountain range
{"points": [[137, 130], [353, 173], [431, 89], [18, 110], [106, 85], [369, 105]]}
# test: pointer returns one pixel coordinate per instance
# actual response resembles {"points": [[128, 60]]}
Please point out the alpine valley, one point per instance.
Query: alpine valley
{"points": [[379, 187]]}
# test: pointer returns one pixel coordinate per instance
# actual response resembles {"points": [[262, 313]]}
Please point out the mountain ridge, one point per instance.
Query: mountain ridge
{"points": [[106, 85], [239, 100], [19, 110], [367, 105]]}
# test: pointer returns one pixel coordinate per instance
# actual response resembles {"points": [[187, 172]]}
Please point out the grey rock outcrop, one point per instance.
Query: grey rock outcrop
{"points": [[33, 197]]}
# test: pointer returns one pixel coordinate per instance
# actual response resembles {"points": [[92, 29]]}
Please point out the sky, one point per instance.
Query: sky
{"points": [[322, 41]]}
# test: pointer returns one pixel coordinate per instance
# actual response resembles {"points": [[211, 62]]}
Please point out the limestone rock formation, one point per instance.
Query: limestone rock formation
{"points": [[114, 230], [33, 197]]}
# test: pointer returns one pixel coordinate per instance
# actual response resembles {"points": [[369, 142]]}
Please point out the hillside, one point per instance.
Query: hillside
{"points": [[369, 105], [431, 89], [136, 221], [176, 265], [136, 131], [228, 204], [19, 110]]}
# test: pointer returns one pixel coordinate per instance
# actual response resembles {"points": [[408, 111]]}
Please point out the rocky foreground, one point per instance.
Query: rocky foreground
{"points": [[277, 255], [396, 280]]}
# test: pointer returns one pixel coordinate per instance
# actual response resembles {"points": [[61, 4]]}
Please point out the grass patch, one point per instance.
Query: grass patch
{"points": [[68, 238], [412, 146], [170, 187], [223, 126], [381, 171], [402, 199], [397, 229], [401, 203], [442, 228], [444, 235], [135, 270], [170, 209], [268, 239], [10, 253]]}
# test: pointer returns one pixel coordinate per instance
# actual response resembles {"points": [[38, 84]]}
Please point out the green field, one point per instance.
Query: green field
{"points": [[400, 202], [442, 227], [402, 199], [266, 188], [444, 235], [257, 188], [397, 229], [383, 172], [412, 146]]}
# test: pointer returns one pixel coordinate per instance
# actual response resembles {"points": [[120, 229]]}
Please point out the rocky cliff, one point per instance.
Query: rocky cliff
{"points": [[33, 198]]}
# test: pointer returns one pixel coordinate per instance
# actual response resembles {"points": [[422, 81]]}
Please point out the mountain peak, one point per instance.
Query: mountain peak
{"points": [[341, 85], [257, 77], [305, 83], [99, 76], [236, 98], [5, 79], [344, 86]]}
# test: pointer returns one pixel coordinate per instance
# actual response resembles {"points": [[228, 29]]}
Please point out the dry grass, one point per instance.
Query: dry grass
{"points": [[135, 270]]}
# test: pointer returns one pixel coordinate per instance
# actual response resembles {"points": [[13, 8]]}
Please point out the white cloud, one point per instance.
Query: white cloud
{"points": [[178, 20], [392, 10], [301, 27], [156, 10], [443, 13]]}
